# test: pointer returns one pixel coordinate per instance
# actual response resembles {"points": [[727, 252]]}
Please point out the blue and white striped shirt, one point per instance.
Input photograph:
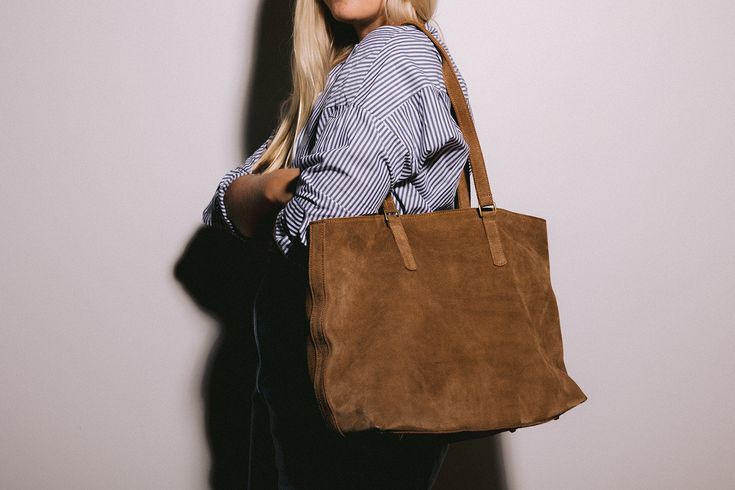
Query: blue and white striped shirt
{"points": [[383, 122]]}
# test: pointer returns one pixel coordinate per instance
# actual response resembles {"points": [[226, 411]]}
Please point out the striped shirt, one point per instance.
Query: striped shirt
{"points": [[382, 123]]}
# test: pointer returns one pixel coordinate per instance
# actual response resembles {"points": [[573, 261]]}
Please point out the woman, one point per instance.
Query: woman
{"points": [[369, 113]]}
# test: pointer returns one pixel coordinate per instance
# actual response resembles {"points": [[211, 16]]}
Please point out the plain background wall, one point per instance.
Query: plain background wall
{"points": [[615, 121]]}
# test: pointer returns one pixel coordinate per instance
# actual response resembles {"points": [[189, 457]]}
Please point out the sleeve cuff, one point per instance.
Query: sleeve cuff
{"points": [[229, 178], [215, 214], [286, 232]]}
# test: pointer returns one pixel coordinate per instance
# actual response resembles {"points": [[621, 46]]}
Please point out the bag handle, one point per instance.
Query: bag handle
{"points": [[467, 127], [486, 209]]}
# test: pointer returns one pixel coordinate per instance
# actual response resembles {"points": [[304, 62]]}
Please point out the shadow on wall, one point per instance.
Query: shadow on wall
{"points": [[221, 274]]}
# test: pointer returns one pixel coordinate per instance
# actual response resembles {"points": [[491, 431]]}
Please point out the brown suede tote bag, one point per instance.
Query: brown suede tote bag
{"points": [[436, 323]]}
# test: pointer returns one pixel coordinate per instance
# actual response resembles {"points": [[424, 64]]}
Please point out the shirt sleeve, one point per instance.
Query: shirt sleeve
{"points": [[215, 213], [435, 150], [348, 173], [360, 158], [396, 126]]}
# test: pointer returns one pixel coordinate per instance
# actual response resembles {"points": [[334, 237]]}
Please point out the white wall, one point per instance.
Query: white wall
{"points": [[615, 121]]}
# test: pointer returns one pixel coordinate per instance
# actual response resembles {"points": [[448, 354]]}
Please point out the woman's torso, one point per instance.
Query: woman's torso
{"points": [[427, 189]]}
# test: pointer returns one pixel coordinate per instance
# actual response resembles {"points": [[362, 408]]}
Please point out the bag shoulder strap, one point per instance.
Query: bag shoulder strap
{"points": [[466, 126]]}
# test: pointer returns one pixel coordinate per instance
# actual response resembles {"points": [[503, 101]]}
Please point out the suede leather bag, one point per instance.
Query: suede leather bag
{"points": [[439, 323]]}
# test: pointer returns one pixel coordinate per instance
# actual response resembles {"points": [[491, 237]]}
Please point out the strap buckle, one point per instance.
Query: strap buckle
{"points": [[487, 208], [389, 213]]}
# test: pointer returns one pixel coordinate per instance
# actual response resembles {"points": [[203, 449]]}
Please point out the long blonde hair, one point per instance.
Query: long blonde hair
{"points": [[319, 43]]}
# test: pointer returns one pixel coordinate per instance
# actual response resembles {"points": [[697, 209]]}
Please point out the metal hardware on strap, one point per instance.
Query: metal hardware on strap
{"points": [[389, 213]]}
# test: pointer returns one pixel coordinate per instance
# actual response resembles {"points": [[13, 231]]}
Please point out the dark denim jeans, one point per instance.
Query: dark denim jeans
{"points": [[309, 456]]}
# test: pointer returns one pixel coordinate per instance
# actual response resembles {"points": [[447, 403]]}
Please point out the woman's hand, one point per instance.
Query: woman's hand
{"points": [[253, 200], [279, 185]]}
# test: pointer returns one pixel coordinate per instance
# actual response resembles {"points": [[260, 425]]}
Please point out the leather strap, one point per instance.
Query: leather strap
{"points": [[486, 207], [464, 196], [399, 233], [466, 125]]}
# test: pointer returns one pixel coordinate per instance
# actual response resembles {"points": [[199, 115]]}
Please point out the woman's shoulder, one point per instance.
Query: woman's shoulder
{"points": [[393, 50], [389, 65], [390, 38]]}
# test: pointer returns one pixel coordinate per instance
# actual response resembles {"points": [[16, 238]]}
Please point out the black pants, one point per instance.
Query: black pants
{"points": [[309, 456]]}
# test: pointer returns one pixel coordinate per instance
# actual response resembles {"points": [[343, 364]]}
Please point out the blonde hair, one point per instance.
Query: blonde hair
{"points": [[320, 43]]}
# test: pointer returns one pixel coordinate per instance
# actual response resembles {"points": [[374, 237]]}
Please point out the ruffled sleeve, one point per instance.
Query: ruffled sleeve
{"points": [[215, 213], [434, 148], [360, 158], [348, 173], [398, 130]]}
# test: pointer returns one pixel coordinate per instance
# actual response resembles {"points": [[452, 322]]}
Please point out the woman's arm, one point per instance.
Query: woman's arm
{"points": [[359, 158], [253, 200], [245, 203], [395, 130]]}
